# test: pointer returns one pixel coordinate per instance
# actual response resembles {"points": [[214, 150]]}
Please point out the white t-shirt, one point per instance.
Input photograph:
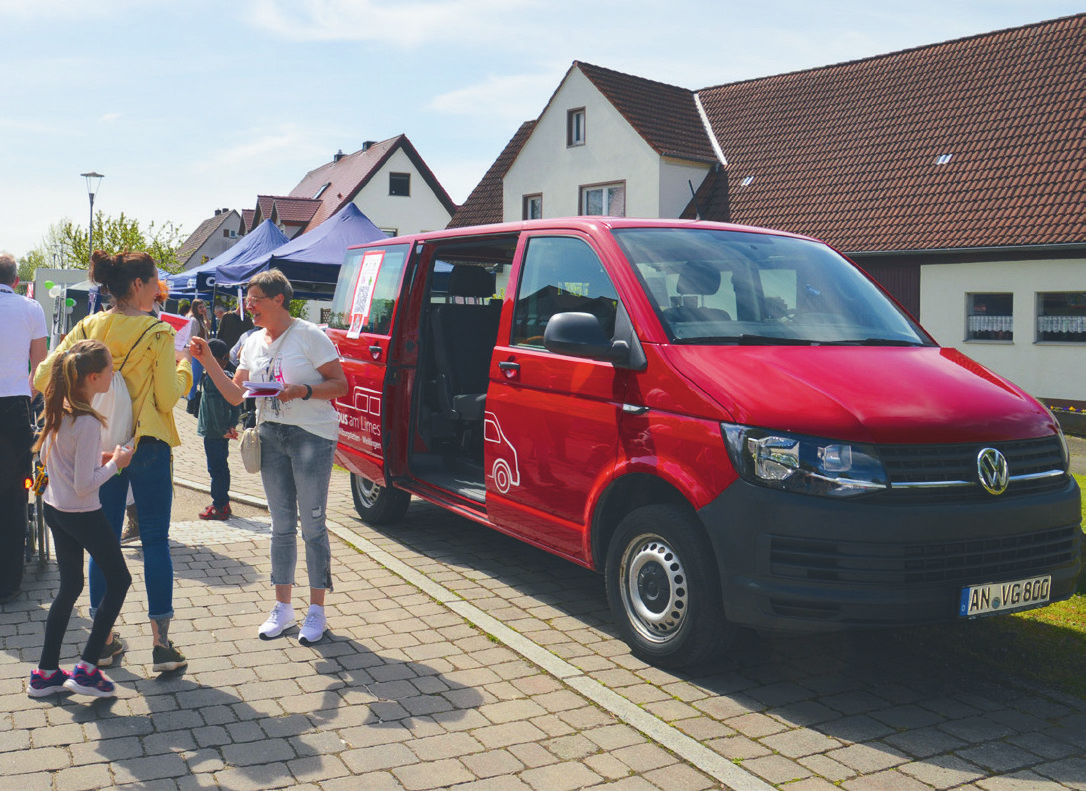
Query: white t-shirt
{"points": [[73, 458], [23, 321], [293, 359]]}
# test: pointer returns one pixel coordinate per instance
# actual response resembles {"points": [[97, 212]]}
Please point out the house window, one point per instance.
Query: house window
{"points": [[989, 317], [399, 184], [575, 127], [1061, 316], [605, 199], [533, 207]]}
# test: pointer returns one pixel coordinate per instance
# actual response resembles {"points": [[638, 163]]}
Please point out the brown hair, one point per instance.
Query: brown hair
{"points": [[64, 394], [199, 312], [116, 272], [273, 283]]}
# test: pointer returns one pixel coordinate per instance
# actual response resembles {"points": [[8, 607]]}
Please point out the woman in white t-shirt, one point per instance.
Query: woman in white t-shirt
{"points": [[298, 432]]}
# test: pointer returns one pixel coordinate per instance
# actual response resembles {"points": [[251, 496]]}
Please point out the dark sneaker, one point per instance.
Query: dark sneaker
{"points": [[214, 512], [42, 685], [111, 650], [167, 658], [90, 682]]}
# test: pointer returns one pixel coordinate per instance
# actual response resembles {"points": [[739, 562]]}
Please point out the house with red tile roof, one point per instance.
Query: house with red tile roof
{"points": [[388, 181], [955, 173], [214, 236]]}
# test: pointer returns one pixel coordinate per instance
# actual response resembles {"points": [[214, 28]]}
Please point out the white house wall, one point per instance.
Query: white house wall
{"points": [[613, 152], [676, 178], [1046, 370], [419, 212]]}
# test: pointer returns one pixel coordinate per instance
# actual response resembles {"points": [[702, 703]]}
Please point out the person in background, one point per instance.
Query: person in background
{"points": [[71, 444], [201, 328], [217, 425], [298, 432], [25, 334], [233, 326], [157, 377]]}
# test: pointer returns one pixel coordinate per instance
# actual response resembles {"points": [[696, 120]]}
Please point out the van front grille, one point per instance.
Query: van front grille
{"points": [[971, 561], [941, 472]]}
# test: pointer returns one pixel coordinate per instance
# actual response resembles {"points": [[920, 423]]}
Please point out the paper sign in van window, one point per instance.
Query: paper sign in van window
{"points": [[363, 291]]}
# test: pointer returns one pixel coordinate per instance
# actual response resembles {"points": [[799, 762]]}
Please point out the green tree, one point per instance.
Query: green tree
{"points": [[115, 235]]}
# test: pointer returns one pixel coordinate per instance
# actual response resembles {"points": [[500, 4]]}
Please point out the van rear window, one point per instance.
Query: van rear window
{"points": [[350, 294]]}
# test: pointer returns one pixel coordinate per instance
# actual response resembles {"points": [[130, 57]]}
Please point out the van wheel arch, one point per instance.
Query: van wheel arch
{"points": [[623, 496]]}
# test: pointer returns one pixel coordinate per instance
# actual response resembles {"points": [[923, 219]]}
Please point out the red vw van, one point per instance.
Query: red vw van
{"points": [[736, 426]]}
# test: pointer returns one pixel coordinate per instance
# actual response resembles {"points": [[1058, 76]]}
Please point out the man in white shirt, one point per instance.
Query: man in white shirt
{"points": [[23, 347]]}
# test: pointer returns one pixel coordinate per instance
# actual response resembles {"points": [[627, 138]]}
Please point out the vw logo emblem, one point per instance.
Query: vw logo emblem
{"points": [[992, 470]]}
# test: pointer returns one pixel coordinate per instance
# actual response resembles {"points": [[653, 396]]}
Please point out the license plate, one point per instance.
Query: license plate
{"points": [[1004, 596]]}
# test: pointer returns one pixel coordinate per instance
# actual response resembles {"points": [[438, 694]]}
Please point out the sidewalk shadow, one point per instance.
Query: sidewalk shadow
{"points": [[396, 693]]}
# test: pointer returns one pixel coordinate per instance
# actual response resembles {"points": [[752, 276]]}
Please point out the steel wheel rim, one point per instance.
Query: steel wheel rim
{"points": [[368, 491], [654, 588]]}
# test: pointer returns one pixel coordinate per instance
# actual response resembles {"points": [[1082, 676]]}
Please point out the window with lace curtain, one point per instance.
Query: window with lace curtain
{"points": [[1061, 316], [989, 317]]}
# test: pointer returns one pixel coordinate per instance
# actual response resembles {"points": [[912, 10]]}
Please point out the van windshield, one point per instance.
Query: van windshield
{"points": [[719, 286]]}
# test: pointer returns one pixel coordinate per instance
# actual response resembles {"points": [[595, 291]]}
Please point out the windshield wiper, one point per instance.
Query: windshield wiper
{"points": [[772, 340], [873, 342]]}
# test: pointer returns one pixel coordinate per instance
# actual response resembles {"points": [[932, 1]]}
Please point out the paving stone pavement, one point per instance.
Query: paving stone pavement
{"points": [[459, 658]]}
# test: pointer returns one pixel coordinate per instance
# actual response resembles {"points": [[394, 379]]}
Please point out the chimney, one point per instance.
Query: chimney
{"points": [[218, 212], [368, 145], [338, 156]]}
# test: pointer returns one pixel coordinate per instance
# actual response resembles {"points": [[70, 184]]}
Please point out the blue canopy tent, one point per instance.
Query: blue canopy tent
{"points": [[311, 261], [200, 281]]}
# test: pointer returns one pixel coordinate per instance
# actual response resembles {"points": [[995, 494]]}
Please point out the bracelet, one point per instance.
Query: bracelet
{"points": [[308, 393]]}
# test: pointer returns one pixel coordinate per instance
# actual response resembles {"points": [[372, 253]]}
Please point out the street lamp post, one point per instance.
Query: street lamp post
{"points": [[93, 180]]}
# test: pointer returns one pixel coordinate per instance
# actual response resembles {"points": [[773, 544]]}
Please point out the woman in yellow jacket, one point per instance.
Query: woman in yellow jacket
{"points": [[156, 376]]}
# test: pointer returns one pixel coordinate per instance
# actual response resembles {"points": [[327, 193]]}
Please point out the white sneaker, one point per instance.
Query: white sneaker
{"points": [[280, 619], [313, 628]]}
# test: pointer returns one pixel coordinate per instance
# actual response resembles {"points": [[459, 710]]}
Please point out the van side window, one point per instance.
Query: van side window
{"points": [[559, 275], [385, 289]]}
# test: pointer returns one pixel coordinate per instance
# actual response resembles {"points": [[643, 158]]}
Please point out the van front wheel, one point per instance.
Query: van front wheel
{"points": [[376, 504], [663, 588]]}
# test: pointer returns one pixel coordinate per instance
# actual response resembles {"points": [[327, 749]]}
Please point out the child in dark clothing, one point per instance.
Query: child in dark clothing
{"points": [[216, 424]]}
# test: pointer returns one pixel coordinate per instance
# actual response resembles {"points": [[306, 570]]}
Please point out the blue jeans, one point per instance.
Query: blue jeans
{"points": [[296, 467], [197, 374], [152, 485], [217, 450]]}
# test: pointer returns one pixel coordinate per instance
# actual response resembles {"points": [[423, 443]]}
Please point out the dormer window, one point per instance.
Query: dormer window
{"points": [[575, 127]]}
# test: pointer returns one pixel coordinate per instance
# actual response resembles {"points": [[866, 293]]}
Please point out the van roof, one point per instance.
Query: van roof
{"points": [[585, 224]]}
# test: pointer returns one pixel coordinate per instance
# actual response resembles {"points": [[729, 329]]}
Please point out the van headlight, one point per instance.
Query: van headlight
{"points": [[806, 465]]}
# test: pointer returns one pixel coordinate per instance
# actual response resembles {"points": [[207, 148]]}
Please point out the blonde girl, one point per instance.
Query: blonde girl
{"points": [[70, 443]]}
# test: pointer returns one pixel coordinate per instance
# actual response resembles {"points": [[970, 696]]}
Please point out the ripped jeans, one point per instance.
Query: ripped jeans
{"points": [[296, 467]]}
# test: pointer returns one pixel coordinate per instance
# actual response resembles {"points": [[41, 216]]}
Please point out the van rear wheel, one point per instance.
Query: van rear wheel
{"points": [[663, 588], [376, 504]]}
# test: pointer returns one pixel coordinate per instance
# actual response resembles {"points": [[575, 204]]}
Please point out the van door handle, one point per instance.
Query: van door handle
{"points": [[375, 352], [509, 368]]}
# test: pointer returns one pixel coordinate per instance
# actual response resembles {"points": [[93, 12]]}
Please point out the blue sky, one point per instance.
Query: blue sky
{"points": [[189, 106]]}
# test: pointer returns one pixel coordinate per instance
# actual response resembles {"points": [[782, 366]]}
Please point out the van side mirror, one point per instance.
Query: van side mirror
{"points": [[582, 335]]}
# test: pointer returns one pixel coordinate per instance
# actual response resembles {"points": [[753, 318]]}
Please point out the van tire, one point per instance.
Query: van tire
{"points": [[376, 504], [663, 588]]}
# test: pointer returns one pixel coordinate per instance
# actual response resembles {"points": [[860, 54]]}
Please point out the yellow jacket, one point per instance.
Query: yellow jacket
{"points": [[154, 380]]}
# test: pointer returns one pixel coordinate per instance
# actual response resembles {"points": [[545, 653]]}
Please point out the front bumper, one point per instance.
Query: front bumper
{"points": [[800, 563]]}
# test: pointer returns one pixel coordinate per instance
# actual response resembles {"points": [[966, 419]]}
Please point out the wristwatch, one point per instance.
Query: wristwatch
{"points": [[308, 393]]}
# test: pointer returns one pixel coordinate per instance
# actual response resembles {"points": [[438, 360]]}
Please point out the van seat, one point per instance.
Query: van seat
{"points": [[464, 334]]}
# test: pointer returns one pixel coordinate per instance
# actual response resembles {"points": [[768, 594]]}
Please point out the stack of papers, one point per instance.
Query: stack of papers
{"points": [[262, 389]]}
